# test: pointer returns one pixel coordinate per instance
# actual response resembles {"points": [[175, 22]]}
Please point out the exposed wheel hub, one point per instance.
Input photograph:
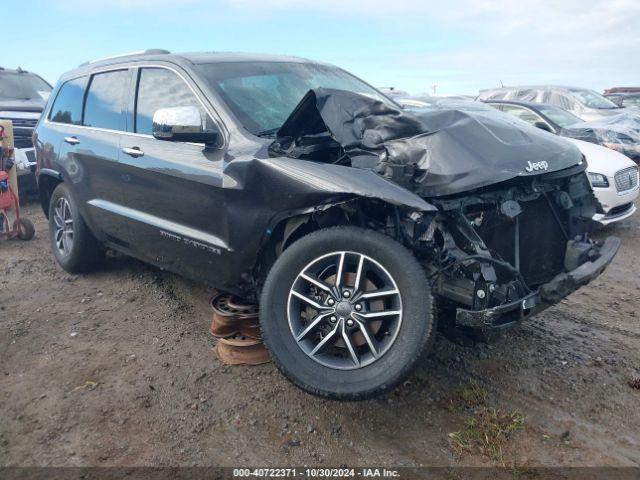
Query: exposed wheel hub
{"points": [[344, 309]]}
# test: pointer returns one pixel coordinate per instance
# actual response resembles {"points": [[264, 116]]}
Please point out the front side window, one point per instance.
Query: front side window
{"points": [[262, 95], [522, 113], [161, 88], [592, 99], [67, 107], [106, 98], [558, 116]]}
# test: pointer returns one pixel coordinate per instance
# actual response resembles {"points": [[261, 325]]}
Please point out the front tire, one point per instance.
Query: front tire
{"points": [[74, 246], [346, 313]]}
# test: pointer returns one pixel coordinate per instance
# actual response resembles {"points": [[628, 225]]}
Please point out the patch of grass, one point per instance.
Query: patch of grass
{"points": [[486, 432], [469, 397]]}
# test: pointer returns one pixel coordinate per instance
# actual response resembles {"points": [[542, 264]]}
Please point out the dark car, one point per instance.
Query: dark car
{"points": [[294, 183], [620, 132], [23, 96]]}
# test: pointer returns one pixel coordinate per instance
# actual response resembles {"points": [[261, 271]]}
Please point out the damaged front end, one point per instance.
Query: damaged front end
{"points": [[509, 235], [504, 254]]}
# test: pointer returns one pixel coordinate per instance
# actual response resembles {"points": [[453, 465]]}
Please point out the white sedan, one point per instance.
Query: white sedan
{"points": [[614, 178]]}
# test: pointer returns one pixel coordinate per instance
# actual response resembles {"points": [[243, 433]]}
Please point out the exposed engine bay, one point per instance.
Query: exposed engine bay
{"points": [[500, 247]]}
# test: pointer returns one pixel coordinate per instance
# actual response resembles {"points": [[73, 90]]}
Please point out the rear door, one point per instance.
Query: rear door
{"points": [[89, 114], [98, 150], [172, 191]]}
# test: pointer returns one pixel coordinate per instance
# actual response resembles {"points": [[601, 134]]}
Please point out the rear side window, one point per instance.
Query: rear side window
{"points": [[67, 107], [161, 88], [106, 98]]}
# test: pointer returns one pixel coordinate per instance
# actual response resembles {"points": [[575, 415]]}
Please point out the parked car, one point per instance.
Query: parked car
{"points": [[298, 184], [23, 95], [613, 176], [582, 102], [620, 132], [625, 99]]}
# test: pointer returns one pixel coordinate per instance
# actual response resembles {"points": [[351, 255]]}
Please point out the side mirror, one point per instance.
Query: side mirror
{"points": [[181, 124], [543, 126]]}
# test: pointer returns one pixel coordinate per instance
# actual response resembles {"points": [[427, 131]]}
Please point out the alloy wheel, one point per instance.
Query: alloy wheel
{"points": [[344, 310], [63, 226]]}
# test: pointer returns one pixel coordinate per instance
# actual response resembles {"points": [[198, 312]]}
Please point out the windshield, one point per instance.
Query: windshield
{"points": [[592, 99], [262, 95], [560, 117], [22, 86]]}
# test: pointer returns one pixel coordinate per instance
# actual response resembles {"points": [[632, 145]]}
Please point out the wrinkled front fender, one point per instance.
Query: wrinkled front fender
{"points": [[259, 193], [309, 184]]}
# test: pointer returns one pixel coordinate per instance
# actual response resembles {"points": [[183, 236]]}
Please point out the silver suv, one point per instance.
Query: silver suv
{"points": [[582, 102]]}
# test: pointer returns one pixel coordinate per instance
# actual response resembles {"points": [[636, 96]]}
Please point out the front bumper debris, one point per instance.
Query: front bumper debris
{"points": [[507, 315]]}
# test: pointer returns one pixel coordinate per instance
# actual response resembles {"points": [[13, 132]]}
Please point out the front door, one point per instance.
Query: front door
{"points": [[172, 191]]}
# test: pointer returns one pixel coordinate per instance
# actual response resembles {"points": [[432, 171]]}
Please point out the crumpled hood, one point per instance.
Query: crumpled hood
{"points": [[440, 152]]}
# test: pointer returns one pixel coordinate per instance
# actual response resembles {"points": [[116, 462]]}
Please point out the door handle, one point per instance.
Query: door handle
{"points": [[134, 152], [71, 140]]}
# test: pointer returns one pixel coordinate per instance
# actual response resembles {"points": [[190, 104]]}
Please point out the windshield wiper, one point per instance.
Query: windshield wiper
{"points": [[268, 133]]}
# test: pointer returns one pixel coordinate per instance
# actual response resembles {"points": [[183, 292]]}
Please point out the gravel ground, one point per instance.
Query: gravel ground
{"points": [[117, 368]]}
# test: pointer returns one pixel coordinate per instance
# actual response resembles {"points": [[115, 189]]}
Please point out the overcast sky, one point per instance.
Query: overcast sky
{"points": [[459, 45]]}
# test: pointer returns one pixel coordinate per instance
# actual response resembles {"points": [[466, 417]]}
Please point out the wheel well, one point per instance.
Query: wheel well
{"points": [[365, 213], [46, 185]]}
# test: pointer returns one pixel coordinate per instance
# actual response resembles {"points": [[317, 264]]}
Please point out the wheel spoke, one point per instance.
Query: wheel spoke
{"points": [[368, 339], [347, 341], [57, 220], [339, 270], [384, 292], [356, 285], [312, 325], [382, 313], [316, 282], [311, 302], [325, 340]]}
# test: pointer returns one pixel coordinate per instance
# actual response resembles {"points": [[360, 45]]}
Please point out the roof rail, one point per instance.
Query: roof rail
{"points": [[149, 51]]}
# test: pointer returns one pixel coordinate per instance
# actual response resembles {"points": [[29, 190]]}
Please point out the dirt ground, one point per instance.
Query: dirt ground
{"points": [[116, 368]]}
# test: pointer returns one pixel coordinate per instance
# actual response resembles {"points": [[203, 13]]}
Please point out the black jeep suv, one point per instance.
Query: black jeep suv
{"points": [[295, 184]]}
